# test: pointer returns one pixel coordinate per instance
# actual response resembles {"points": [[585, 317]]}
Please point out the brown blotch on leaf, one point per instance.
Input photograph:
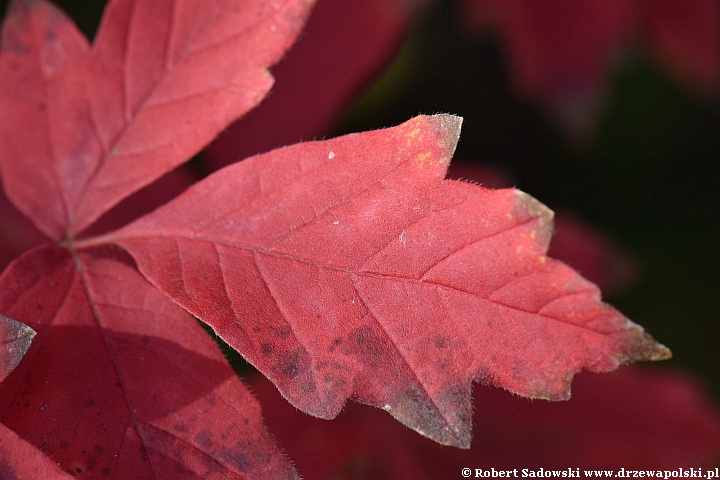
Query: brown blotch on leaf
{"points": [[365, 342], [644, 348]]}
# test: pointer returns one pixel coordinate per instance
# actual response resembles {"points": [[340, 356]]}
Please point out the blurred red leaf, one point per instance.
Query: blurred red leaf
{"points": [[684, 39], [345, 43], [632, 418], [560, 52], [338, 268]]}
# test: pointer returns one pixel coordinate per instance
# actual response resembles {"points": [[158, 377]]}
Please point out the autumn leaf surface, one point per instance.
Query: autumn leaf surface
{"points": [[82, 127], [120, 379], [344, 269], [19, 460], [350, 269]]}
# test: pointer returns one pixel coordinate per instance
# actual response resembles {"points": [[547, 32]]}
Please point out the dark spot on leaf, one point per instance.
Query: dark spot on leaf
{"points": [[99, 449], [267, 349], [106, 471], [335, 344], [281, 332], [441, 341], [367, 341], [145, 340], [443, 365], [291, 369], [63, 445], [204, 439], [180, 427], [91, 463], [237, 459], [91, 402], [7, 472], [118, 384], [78, 470], [39, 306], [256, 329]]}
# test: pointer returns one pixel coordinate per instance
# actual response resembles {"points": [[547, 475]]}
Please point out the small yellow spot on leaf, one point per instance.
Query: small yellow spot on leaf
{"points": [[422, 159]]}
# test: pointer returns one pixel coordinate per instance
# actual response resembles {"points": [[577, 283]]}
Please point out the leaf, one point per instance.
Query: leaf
{"points": [[17, 232], [122, 381], [15, 339], [344, 44], [682, 38], [587, 249], [632, 418], [350, 269], [82, 127], [21, 461]]}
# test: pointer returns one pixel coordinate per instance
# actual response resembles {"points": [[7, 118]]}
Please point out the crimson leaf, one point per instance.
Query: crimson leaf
{"points": [[350, 269], [342, 269]]}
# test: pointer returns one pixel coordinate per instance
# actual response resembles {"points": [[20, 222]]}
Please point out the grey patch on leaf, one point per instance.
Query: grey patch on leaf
{"points": [[643, 347], [417, 411], [16, 340], [535, 208]]}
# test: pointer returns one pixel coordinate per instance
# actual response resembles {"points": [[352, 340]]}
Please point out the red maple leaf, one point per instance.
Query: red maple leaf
{"points": [[341, 269]]}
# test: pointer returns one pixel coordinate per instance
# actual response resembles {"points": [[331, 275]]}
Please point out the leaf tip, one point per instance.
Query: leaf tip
{"points": [[644, 348], [535, 208], [16, 340], [448, 126]]}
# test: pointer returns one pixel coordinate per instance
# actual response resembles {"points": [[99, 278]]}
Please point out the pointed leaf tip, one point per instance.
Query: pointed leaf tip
{"points": [[15, 340], [450, 125], [644, 348]]}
